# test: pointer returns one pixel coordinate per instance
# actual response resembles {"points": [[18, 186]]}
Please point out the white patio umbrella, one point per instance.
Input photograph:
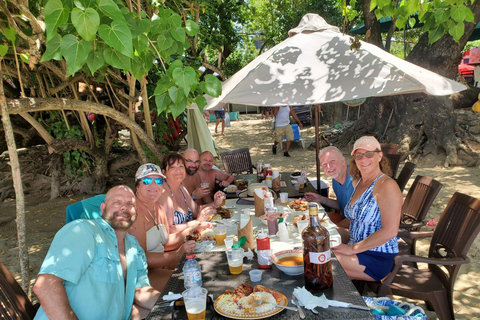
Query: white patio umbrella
{"points": [[316, 65]]}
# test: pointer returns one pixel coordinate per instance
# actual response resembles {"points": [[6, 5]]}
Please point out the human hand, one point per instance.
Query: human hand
{"points": [[312, 197], [218, 198], [344, 249], [199, 193], [203, 225], [205, 213], [300, 125], [188, 247], [224, 183]]}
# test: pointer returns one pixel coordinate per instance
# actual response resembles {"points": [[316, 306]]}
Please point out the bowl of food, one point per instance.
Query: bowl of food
{"points": [[289, 261]]}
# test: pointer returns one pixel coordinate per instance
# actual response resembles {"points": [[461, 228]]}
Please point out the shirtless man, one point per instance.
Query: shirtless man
{"points": [[210, 175], [192, 180]]}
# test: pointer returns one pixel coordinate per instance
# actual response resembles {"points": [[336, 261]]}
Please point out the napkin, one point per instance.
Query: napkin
{"points": [[310, 301], [172, 296], [248, 254], [205, 246], [245, 229], [258, 196]]}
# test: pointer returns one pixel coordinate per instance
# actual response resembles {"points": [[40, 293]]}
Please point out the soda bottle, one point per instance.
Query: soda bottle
{"points": [[316, 253], [192, 274]]}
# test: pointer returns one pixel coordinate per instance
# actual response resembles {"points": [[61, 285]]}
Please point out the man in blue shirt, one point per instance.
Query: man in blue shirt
{"points": [[94, 269], [334, 165]]}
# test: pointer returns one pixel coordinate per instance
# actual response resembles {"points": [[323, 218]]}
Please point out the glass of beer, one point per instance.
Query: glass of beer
{"points": [[283, 198], [205, 185], [195, 300], [235, 260], [220, 234]]}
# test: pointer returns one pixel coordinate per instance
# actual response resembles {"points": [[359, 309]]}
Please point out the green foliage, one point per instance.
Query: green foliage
{"points": [[100, 33]]}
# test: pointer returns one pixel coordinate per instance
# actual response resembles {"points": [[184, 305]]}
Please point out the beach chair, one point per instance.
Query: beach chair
{"points": [[297, 137], [14, 303], [237, 161], [405, 175], [85, 209], [457, 228]]}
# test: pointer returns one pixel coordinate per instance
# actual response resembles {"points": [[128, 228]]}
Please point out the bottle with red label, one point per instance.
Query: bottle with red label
{"points": [[316, 253], [263, 251]]}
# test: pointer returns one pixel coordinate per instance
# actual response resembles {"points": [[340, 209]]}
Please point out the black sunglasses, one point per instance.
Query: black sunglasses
{"points": [[147, 180], [368, 154]]}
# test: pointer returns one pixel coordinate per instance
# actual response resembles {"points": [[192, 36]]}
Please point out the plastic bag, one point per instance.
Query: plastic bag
{"points": [[384, 304], [227, 120]]}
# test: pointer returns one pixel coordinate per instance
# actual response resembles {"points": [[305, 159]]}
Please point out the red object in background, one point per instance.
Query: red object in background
{"points": [[91, 116], [175, 129], [465, 70]]}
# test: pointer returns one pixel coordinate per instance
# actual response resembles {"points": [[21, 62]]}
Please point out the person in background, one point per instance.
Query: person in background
{"points": [[94, 269], [182, 212], [374, 212], [192, 180], [283, 127], [212, 176], [220, 115], [333, 165]]}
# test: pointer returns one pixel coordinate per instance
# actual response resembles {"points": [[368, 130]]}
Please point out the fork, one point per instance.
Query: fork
{"points": [[299, 308]]}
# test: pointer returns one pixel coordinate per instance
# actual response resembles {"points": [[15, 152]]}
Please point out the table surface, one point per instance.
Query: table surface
{"points": [[217, 278]]}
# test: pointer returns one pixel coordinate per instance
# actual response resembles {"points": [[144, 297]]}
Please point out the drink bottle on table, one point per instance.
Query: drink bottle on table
{"points": [[192, 274]]}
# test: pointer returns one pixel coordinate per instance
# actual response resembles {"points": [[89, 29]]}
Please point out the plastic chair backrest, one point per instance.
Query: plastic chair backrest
{"points": [[86, 209], [14, 303], [296, 132], [237, 161]]}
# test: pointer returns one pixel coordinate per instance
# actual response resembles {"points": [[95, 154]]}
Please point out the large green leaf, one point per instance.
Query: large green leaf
{"points": [[201, 102], [162, 102], [95, 61], [118, 36], [83, 4], [211, 85], [163, 84], [10, 34], [54, 51], [176, 94], [138, 68], [442, 15], [3, 50], [117, 60], [55, 15], [75, 52], [191, 27], [110, 9], [456, 30], [178, 34], [184, 78], [86, 22], [178, 108], [435, 34], [140, 43], [163, 43], [461, 13]]}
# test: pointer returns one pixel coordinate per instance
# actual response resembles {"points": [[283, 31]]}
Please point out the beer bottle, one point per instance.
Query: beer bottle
{"points": [[316, 253]]}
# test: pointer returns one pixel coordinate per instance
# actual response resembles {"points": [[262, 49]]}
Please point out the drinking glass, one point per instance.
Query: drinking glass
{"points": [[195, 300], [302, 224], [228, 243], [235, 260], [205, 185], [220, 234], [283, 198]]}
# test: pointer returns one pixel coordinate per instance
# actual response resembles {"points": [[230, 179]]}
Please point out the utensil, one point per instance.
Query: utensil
{"points": [[354, 306], [300, 310], [259, 302]]}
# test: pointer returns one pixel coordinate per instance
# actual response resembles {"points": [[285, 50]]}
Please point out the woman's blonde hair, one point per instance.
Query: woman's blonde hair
{"points": [[384, 167]]}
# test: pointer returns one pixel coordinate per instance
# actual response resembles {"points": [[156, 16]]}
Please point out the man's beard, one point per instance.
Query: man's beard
{"points": [[120, 225], [191, 172]]}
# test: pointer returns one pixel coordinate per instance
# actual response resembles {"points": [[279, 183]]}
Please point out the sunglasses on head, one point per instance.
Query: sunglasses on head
{"points": [[368, 154], [147, 180]]}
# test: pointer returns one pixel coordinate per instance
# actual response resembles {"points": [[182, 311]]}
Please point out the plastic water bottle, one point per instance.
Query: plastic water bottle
{"points": [[192, 274]]}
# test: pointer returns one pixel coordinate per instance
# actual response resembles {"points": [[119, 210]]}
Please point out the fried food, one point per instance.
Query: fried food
{"points": [[277, 295], [242, 185], [298, 218], [201, 235], [224, 213], [298, 205], [242, 290]]}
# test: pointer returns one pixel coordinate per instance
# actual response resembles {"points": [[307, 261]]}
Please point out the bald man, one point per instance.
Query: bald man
{"points": [[192, 180], [210, 175]]}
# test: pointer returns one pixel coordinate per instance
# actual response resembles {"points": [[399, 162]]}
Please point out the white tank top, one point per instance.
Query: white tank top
{"points": [[156, 238], [283, 117]]}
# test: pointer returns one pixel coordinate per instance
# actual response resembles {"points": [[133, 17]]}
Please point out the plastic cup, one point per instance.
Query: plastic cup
{"points": [[235, 260], [220, 234], [195, 300], [283, 198], [255, 275], [297, 186], [302, 224], [205, 185], [228, 243]]}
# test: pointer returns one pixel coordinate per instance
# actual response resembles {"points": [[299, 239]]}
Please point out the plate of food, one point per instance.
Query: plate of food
{"points": [[300, 217], [201, 235], [231, 189], [240, 302], [298, 205], [221, 213]]}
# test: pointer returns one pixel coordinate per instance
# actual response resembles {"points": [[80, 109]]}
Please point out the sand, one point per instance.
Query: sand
{"points": [[45, 218]]}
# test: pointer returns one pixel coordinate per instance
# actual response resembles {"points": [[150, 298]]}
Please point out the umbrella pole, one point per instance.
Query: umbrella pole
{"points": [[317, 145]]}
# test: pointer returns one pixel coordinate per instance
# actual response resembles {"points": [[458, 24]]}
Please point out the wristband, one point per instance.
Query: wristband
{"points": [[193, 196]]}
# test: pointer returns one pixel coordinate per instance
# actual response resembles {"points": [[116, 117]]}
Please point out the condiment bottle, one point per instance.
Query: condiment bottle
{"points": [[265, 170], [282, 231], [316, 253], [268, 200], [272, 221], [263, 251]]}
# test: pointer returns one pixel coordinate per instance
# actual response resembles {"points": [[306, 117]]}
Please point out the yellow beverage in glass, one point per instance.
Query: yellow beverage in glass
{"points": [[220, 238], [223, 202], [283, 203], [235, 267], [196, 309]]}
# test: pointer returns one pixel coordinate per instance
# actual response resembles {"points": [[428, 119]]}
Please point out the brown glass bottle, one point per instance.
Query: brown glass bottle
{"points": [[316, 253]]}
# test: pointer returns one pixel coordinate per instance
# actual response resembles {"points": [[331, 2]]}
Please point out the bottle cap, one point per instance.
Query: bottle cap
{"points": [[280, 220], [190, 256]]}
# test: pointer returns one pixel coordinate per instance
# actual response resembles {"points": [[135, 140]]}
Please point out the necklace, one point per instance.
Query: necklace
{"points": [[150, 213], [173, 197]]}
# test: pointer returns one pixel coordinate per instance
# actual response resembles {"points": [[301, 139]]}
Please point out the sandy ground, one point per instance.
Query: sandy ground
{"points": [[45, 218]]}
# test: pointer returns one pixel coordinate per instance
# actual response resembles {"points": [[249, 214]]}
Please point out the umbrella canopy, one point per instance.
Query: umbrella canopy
{"points": [[199, 137], [316, 65]]}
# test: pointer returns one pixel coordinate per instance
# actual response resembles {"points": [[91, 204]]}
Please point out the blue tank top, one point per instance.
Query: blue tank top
{"points": [[365, 220]]}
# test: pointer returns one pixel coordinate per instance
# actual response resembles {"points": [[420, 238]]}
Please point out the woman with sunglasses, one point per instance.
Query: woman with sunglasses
{"points": [[162, 247], [374, 212], [182, 211]]}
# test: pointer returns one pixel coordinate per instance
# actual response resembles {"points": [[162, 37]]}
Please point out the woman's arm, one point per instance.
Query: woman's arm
{"points": [[389, 199]]}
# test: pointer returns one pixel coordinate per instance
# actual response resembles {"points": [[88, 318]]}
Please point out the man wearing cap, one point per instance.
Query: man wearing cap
{"points": [[193, 180], [334, 165], [94, 269]]}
